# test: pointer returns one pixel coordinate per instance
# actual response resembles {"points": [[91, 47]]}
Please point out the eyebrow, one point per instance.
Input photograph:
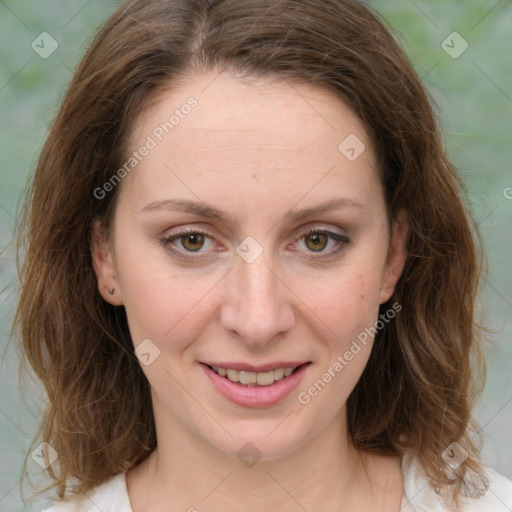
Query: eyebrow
{"points": [[201, 209]]}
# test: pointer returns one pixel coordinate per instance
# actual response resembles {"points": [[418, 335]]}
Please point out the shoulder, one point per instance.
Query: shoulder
{"points": [[419, 496], [499, 493], [111, 495]]}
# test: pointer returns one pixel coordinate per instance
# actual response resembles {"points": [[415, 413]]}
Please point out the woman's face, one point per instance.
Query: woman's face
{"points": [[288, 255]]}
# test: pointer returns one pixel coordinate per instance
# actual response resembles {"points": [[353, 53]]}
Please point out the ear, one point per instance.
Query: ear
{"points": [[396, 258], [104, 265]]}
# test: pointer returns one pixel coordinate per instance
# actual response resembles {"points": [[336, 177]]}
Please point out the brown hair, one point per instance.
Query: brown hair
{"points": [[416, 393]]}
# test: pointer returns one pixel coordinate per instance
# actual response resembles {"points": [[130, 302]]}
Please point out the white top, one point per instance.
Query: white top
{"points": [[112, 496]]}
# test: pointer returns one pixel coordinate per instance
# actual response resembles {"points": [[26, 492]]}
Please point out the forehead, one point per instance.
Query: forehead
{"points": [[243, 132], [251, 111]]}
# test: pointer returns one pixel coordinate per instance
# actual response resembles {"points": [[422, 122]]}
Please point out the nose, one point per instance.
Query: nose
{"points": [[257, 304]]}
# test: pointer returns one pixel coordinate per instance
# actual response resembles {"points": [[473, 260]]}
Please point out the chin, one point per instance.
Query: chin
{"points": [[266, 440]]}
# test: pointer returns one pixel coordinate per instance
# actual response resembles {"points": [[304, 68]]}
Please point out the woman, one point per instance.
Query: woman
{"points": [[249, 276]]}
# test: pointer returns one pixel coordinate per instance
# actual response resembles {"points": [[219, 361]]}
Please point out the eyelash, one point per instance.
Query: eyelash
{"points": [[342, 240]]}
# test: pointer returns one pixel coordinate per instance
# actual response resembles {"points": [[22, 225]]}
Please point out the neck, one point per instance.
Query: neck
{"points": [[192, 475]]}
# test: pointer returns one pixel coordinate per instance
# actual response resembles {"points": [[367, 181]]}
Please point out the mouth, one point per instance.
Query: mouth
{"points": [[255, 379], [255, 386]]}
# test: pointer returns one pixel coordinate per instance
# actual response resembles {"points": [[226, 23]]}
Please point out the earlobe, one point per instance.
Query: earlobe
{"points": [[104, 265], [396, 258]]}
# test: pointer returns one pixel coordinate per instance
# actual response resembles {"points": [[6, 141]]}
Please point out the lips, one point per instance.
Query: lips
{"points": [[246, 387], [250, 378], [247, 367]]}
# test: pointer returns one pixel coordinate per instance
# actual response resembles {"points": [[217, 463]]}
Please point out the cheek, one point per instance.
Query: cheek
{"points": [[161, 302], [165, 303], [351, 311], [351, 305]]}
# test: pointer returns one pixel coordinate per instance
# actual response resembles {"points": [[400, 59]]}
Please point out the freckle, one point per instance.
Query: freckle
{"points": [[362, 296]]}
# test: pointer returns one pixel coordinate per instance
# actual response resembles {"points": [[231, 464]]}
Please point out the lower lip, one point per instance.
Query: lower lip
{"points": [[257, 396]]}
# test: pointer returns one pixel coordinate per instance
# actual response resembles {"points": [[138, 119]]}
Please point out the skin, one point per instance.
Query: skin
{"points": [[254, 149]]}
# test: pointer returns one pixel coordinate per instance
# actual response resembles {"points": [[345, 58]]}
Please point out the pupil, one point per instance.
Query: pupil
{"points": [[317, 240], [194, 240]]}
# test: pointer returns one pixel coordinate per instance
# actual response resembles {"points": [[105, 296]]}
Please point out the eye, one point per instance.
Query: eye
{"points": [[315, 240], [318, 240], [190, 240]]}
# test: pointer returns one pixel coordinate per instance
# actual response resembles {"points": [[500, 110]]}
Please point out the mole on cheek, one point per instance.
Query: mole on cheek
{"points": [[360, 278]]}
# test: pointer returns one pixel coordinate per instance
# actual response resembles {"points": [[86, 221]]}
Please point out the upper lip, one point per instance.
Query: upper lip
{"points": [[256, 368]]}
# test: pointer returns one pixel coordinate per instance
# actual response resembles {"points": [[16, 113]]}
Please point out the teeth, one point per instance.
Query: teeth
{"points": [[279, 374], [233, 375], [246, 377], [265, 378], [253, 378]]}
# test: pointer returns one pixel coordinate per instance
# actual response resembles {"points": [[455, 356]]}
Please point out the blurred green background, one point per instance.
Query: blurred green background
{"points": [[474, 96]]}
